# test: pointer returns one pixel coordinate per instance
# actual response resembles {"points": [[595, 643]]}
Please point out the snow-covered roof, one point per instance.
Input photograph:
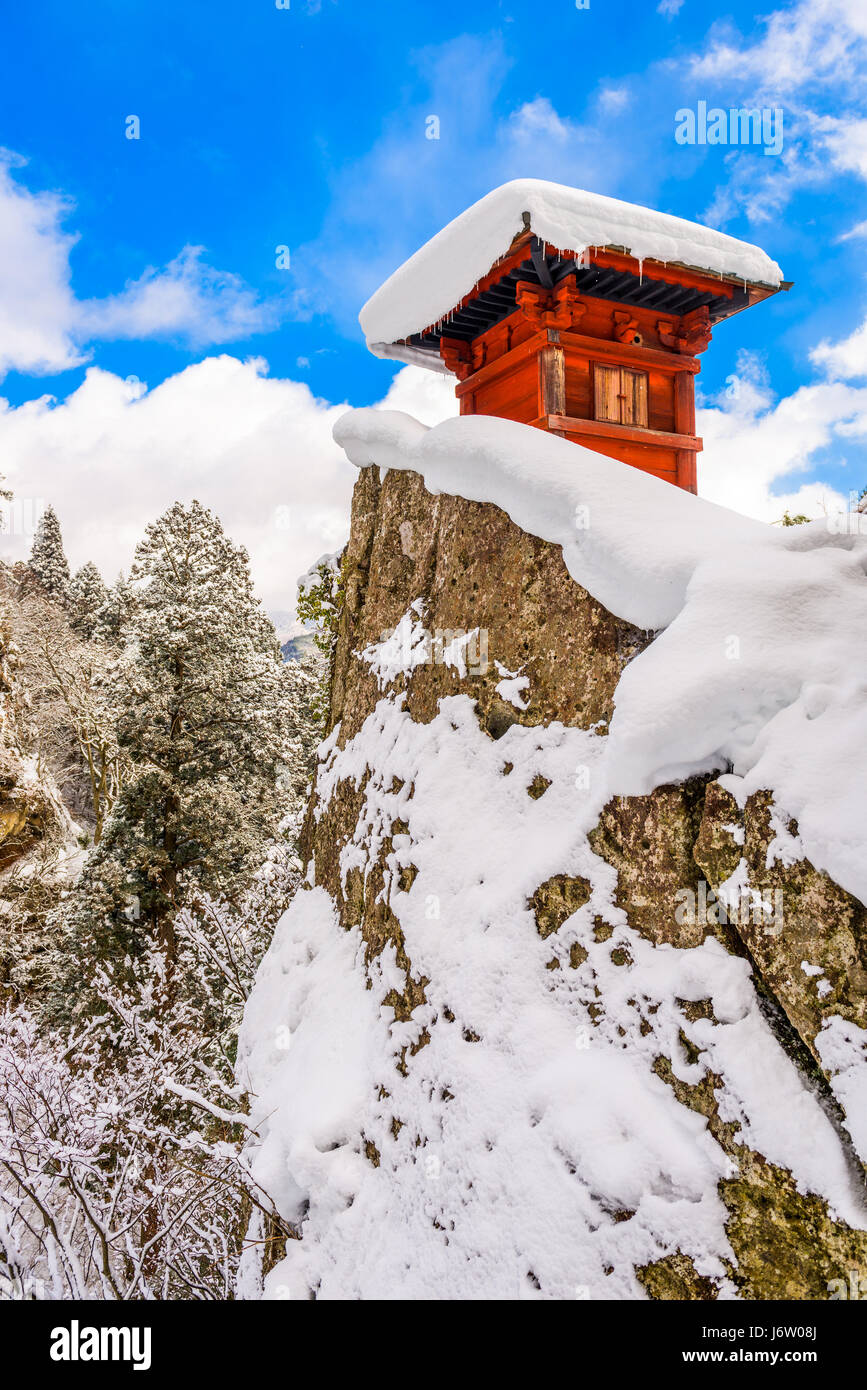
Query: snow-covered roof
{"points": [[436, 278]]}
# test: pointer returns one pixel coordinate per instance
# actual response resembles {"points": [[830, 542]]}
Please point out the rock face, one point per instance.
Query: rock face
{"points": [[474, 568], [466, 566]]}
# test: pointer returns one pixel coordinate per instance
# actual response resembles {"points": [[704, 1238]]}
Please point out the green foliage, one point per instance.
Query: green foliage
{"points": [[320, 598], [797, 520]]}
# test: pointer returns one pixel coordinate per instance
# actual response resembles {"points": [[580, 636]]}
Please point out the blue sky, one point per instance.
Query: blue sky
{"points": [[155, 258]]}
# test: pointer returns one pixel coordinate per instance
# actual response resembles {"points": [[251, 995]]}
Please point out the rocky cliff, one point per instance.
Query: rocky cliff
{"points": [[609, 1055]]}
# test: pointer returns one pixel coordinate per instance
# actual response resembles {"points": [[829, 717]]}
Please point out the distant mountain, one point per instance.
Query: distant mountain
{"points": [[286, 625], [297, 647], [295, 639]]}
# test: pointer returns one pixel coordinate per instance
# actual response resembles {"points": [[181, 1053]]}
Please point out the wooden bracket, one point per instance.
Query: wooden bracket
{"points": [[558, 308], [457, 356], [626, 328], [689, 335]]}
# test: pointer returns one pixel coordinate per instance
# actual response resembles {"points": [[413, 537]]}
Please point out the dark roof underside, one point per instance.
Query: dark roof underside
{"points": [[497, 302]]}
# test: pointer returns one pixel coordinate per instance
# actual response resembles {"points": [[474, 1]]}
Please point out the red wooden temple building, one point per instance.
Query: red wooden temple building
{"points": [[587, 321]]}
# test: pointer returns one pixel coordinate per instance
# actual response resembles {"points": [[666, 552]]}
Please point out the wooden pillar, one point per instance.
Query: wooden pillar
{"points": [[684, 423], [552, 378], [684, 401], [687, 473]]}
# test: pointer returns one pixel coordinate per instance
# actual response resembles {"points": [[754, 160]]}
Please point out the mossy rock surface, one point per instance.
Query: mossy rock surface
{"points": [[816, 923], [554, 902]]}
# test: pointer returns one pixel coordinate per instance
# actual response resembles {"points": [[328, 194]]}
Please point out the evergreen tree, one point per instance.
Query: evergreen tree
{"points": [[47, 558], [87, 594], [115, 611], [204, 719]]}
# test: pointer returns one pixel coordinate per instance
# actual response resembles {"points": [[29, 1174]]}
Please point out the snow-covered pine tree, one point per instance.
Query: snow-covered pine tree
{"points": [[71, 710], [205, 720], [47, 557], [115, 611], [87, 595]]}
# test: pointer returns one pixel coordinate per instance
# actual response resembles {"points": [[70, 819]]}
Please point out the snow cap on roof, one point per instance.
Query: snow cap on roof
{"points": [[432, 282]]}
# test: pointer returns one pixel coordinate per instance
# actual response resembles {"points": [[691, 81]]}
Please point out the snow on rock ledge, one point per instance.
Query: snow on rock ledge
{"points": [[429, 285], [629, 539], [524, 1129], [757, 667]]}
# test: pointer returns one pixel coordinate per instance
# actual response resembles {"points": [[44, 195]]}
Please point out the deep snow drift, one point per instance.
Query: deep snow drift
{"points": [[435, 279], [528, 1123]]}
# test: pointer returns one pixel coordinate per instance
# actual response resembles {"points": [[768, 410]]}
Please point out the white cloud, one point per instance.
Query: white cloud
{"points": [[37, 307], [428, 396], [45, 328], [536, 120], [754, 447], [806, 59], [848, 358], [669, 7], [112, 456], [806, 45], [761, 188], [257, 450], [856, 233], [187, 299], [614, 99], [846, 141]]}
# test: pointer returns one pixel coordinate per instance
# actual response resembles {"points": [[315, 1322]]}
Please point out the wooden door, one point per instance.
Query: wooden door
{"points": [[606, 390], [633, 396], [620, 395]]}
